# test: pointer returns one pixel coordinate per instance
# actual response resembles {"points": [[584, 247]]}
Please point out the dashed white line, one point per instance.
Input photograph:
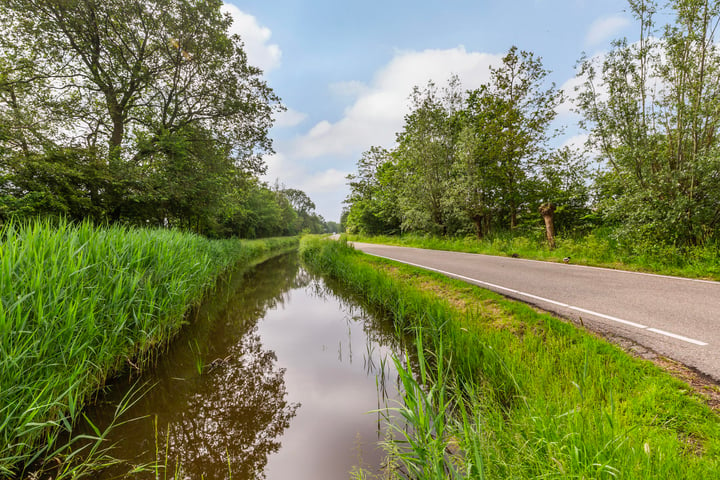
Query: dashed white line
{"points": [[552, 302]]}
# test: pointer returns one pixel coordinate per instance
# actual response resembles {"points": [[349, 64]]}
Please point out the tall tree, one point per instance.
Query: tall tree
{"points": [[653, 111], [505, 126], [528, 109], [478, 173], [373, 198], [117, 77], [426, 153]]}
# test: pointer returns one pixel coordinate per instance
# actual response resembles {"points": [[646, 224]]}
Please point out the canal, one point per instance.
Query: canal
{"points": [[280, 374]]}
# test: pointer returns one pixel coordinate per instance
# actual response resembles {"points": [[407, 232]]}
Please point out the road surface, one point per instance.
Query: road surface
{"points": [[675, 317]]}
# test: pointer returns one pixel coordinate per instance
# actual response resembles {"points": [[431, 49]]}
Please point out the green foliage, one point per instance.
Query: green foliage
{"points": [[478, 161], [502, 391], [425, 155], [80, 303], [136, 112], [373, 197], [471, 162], [601, 247], [652, 110]]}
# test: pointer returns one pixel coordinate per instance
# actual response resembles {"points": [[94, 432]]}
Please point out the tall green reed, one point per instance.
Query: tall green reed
{"points": [[80, 303]]}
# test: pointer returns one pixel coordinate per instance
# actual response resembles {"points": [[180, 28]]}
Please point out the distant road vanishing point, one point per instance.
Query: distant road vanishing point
{"points": [[675, 317]]}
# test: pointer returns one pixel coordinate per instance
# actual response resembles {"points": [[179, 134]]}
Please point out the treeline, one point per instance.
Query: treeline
{"points": [[471, 161], [141, 113], [478, 161]]}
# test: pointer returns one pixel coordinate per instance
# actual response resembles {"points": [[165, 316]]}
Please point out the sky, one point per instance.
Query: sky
{"points": [[345, 69]]}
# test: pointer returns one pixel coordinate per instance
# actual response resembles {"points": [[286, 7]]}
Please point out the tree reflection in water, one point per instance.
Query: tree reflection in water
{"points": [[220, 406], [239, 413], [237, 408]]}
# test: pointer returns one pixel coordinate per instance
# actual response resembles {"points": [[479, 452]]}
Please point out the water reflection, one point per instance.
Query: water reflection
{"points": [[337, 364], [265, 382], [239, 412], [218, 392]]}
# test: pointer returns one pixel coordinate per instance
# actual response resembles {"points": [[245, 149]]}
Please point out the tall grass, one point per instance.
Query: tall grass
{"points": [[520, 394], [599, 248], [79, 304]]}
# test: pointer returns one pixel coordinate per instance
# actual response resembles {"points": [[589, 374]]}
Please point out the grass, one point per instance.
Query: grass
{"points": [[502, 391], [600, 248], [80, 304]]}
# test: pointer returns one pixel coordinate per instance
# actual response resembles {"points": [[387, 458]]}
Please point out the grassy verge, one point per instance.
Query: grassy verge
{"points": [[599, 249], [79, 303], [519, 394]]}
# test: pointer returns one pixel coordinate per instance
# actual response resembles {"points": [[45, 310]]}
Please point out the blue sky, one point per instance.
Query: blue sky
{"points": [[345, 69]]}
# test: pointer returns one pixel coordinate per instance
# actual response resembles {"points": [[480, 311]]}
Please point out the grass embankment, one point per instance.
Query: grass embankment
{"points": [[520, 394], [598, 249], [79, 303]]}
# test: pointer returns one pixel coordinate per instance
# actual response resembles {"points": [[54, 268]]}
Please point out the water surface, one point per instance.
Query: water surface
{"points": [[275, 377]]}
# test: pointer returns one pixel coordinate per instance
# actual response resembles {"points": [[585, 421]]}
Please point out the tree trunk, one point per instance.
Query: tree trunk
{"points": [[547, 210], [479, 221]]}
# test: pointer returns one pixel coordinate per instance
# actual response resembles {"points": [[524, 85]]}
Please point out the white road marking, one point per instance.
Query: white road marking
{"points": [[679, 337], [547, 300], [616, 270], [608, 317]]}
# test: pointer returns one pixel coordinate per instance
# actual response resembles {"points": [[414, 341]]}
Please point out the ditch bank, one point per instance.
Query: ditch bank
{"points": [[545, 398], [81, 304]]}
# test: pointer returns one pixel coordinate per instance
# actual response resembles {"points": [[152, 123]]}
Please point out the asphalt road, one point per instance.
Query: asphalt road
{"points": [[675, 317]]}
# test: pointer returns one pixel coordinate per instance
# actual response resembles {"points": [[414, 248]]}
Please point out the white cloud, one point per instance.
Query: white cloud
{"points": [[375, 113], [326, 181], [604, 29], [295, 174], [568, 88], [281, 169], [289, 118], [378, 111], [327, 188], [348, 89], [260, 52], [320, 129]]}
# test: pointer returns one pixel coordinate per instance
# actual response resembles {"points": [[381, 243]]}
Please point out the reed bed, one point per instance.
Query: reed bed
{"points": [[80, 304], [502, 391]]}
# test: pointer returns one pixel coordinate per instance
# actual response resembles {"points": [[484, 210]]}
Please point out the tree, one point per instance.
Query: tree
{"points": [[307, 219], [527, 108], [562, 180], [119, 77], [426, 154], [465, 160], [478, 169], [501, 149], [653, 114], [373, 195]]}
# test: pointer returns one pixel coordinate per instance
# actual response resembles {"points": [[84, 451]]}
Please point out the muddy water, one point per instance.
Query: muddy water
{"points": [[274, 377]]}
